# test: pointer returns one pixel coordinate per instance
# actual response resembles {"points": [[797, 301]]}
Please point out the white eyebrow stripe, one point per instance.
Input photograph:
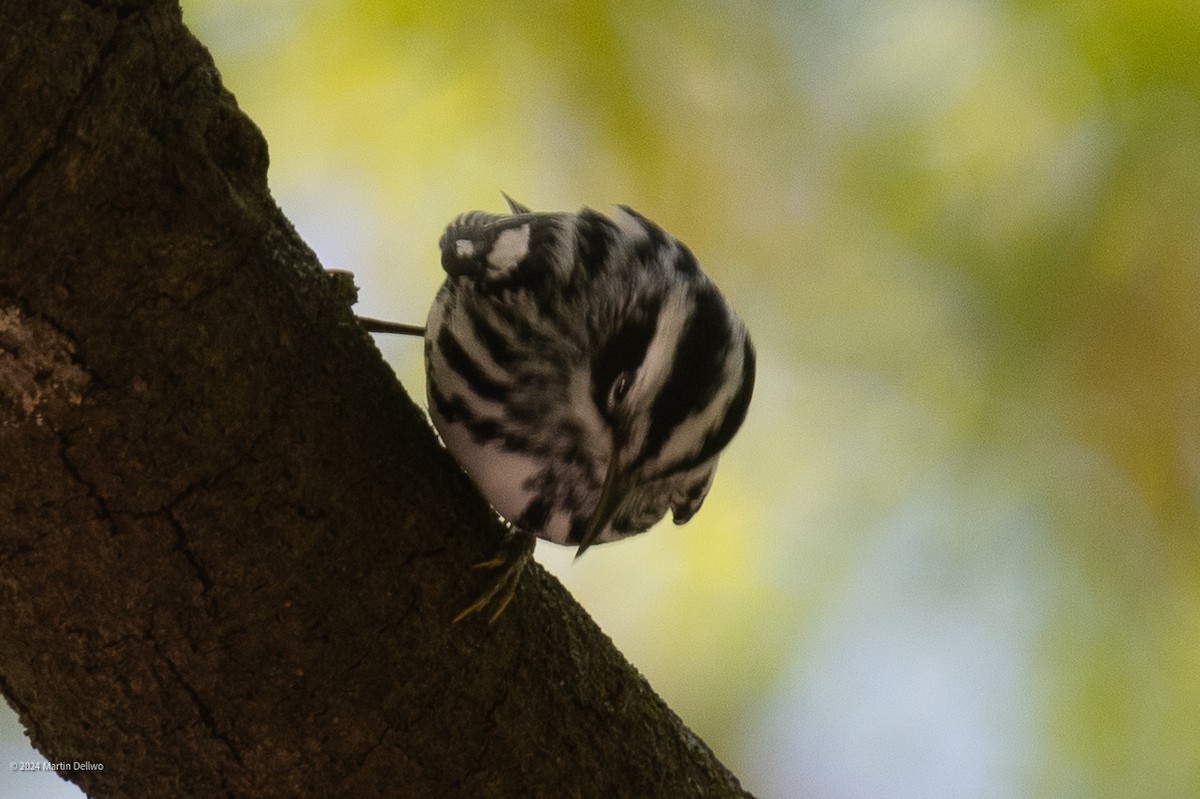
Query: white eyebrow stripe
{"points": [[660, 354]]}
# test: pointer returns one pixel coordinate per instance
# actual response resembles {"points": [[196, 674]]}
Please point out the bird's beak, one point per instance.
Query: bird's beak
{"points": [[616, 485]]}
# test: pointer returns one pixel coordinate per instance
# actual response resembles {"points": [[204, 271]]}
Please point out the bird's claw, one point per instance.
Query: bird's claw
{"points": [[514, 553]]}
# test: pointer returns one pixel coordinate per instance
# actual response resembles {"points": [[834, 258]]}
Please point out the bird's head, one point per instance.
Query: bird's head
{"points": [[672, 382]]}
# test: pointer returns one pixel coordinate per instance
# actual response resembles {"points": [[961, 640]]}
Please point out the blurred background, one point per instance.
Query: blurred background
{"points": [[954, 551]]}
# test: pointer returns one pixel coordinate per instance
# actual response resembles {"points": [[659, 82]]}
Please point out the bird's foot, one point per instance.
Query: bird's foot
{"points": [[516, 550]]}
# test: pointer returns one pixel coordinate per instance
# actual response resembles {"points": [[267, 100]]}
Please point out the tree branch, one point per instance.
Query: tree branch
{"points": [[230, 545]]}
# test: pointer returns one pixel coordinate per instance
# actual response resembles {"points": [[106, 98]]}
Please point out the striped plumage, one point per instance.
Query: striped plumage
{"points": [[583, 370]]}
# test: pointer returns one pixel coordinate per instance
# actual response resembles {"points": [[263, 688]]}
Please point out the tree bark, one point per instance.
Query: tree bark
{"points": [[230, 545]]}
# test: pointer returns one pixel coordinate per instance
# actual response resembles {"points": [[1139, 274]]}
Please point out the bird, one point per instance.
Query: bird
{"points": [[584, 372]]}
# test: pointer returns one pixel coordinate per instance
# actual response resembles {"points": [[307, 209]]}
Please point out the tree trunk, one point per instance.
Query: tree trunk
{"points": [[230, 545]]}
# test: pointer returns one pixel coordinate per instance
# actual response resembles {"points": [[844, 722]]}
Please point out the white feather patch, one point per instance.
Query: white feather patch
{"points": [[630, 226], [500, 475], [688, 436], [510, 248]]}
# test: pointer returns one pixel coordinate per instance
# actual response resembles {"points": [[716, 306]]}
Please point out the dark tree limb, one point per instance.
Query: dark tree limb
{"points": [[230, 546]]}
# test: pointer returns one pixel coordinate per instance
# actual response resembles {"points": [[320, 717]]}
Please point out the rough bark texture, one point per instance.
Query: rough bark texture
{"points": [[230, 546]]}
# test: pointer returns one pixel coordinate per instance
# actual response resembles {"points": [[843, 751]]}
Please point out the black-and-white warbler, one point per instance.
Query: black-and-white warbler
{"points": [[584, 372]]}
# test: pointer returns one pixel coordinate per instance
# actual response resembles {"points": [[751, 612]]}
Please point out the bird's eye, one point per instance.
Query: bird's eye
{"points": [[620, 388]]}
